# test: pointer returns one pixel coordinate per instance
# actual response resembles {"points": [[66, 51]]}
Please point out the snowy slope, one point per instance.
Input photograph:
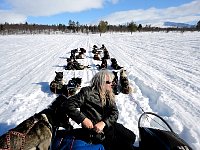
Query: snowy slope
{"points": [[163, 69]]}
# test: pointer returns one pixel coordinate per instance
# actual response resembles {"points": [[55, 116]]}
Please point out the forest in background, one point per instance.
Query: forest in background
{"points": [[76, 27]]}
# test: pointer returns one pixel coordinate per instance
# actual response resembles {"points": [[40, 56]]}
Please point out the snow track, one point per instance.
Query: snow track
{"points": [[163, 69]]}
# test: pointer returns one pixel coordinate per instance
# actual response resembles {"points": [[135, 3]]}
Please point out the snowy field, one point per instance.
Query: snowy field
{"points": [[163, 69]]}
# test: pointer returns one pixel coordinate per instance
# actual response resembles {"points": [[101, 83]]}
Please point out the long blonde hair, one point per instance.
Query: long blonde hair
{"points": [[98, 82]]}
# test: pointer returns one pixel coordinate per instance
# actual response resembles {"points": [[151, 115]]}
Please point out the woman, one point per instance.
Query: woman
{"points": [[95, 109]]}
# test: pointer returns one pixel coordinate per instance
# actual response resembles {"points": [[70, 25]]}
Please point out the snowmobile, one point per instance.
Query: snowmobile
{"points": [[154, 133]]}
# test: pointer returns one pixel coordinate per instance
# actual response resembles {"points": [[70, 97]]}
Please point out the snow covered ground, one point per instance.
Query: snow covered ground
{"points": [[163, 69]]}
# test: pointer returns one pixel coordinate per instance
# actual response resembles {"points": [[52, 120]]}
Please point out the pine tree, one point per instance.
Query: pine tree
{"points": [[102, 26]]}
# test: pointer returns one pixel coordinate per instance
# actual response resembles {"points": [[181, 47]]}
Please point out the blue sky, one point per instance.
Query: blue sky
{"points": [[153, 12]]}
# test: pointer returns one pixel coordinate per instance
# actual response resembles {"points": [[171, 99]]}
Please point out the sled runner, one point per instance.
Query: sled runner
{"points": [[156, 138]]}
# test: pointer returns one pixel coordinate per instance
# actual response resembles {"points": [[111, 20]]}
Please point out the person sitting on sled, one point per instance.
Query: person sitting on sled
{"points": [[95, 109]]}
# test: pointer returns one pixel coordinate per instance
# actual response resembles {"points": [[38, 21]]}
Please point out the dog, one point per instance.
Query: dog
{"points": [[36, 132], [33, 133], [77, 81], [124, 82], [82, 50], [103, 47], [59, 77], [73, 85], [79, 56], [96, 50], [115, 65], [74, 51], [96, 57], [106, 55], [57, 84], [115, 85], [103, 64], [78, 66], [75, 65]]}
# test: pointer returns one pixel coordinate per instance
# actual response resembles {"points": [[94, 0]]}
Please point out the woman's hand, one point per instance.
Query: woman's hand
{"points": [[87, 123], [99, 127]]}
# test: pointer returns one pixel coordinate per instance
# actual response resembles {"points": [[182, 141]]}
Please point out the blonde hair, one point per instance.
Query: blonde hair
{"points": [[98, 82]]}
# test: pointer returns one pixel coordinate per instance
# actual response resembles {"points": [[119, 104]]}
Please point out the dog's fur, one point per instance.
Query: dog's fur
{"points": [[75, 65], [96, 50], [82, 50], [114, 64], [106, 55], [103, 47], [96, 57], [73, 85], [57, 84], [77, 81], [35, 133], [79, 56], [59, 77], [115, 83], [103, 64], [74, 51], [124, 82]]}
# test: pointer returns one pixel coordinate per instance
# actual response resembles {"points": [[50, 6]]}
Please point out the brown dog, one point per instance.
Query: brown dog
{"points": [[35, 133], [124, 82]]}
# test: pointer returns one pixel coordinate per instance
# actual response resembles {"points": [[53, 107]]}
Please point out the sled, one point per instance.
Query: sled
{"points": [[154, 133], [157, 134]]}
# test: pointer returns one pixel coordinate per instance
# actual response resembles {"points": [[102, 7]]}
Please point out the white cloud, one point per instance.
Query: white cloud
{"points": [[185, 13], [11, 17], [52, 7], [21, 9]]}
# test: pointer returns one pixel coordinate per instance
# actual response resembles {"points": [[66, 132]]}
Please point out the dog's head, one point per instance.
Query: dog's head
{"points": [[113, 60], [82, 50], [69, 59], [77, 81], [94, 47], [74, 51], [59, 74], [103, 46], [123, 73]]}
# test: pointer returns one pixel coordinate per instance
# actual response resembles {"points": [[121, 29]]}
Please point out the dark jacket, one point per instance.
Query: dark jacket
{"points": [[88, 100]]}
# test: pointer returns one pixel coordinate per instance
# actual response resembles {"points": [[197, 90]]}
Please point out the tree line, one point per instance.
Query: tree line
{"points": [[76, 27]]}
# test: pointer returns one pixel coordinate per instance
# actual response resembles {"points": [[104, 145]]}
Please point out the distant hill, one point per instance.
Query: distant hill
{"points": [[179, 25]]}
